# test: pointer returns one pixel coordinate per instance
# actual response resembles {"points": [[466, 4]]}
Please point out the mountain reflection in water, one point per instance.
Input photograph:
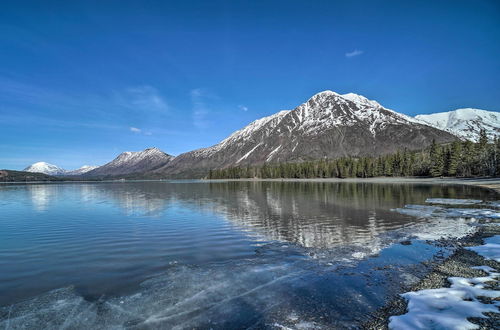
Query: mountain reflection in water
{"points": [[310, 214]]}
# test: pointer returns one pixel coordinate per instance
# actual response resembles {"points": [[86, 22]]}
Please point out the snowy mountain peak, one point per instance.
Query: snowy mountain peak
{"points": [[82, 170], [465, 123], [87, 168], [353, 97], [360, 99], [151, 151], [133, 162], [323, 94], [46, 168]]}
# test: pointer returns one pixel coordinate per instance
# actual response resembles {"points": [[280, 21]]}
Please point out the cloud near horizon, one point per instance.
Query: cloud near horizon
{"points": [[354, 53], [135, 130]]}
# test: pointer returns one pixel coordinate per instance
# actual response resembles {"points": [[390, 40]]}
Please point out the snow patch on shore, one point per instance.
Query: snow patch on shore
{"points": [[490, 250], [449, 308]]}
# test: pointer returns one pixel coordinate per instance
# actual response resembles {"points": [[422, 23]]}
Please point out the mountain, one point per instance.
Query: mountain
{"points": [[328, 125], [82, 170], [465, 123], [50, 169], [132, 162], [46, 168]]}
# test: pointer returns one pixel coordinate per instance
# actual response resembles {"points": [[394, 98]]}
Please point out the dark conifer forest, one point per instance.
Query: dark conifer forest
{"points": [[458, 159]]}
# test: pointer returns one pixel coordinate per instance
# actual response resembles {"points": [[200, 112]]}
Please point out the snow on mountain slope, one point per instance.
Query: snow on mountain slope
{"points": [[50, 169], [133, 162], [82, 170], [328, 125], [46, 168], [465, 123]]}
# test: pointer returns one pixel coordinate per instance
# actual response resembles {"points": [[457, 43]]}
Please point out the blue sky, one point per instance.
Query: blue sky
{"points": [[83, 81]]}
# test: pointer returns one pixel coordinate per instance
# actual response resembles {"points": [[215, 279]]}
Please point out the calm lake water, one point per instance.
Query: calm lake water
{"points": [[212, 254]]}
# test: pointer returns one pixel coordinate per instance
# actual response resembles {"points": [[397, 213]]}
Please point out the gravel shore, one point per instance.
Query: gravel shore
{"points": [[457, 265]]}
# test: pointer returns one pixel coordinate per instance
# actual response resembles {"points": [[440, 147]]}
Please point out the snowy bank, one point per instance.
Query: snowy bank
{"points": [[450, 308]]}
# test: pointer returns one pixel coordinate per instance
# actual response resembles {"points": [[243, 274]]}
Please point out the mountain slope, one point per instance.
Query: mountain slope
{"points": [[45, 168], [132, 162], [82, 170], [328, 125], [465, 123]]}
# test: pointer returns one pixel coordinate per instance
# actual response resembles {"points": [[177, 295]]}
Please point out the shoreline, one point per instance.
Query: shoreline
{"points": [[487, 183], [459, 264]]}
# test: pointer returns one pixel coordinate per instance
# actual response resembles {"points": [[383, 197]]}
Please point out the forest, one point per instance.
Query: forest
{"points": [[457, 159]]}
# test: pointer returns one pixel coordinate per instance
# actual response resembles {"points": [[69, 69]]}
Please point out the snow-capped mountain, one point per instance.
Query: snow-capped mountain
{"points": [[46, 168], [82, 170], [50, 169], [465, 123], [328, 125], [133, 162]]}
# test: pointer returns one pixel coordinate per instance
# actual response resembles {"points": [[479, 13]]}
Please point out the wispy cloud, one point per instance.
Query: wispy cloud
{"points": [[137, 130], [354, 53], [200, 109], [145, 98], [242, 107], [90, 109]]}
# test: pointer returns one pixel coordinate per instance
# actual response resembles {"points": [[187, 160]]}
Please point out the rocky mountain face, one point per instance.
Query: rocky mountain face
{"points": [[45, 168], [465, 123], [132, 162], [328, 125]]}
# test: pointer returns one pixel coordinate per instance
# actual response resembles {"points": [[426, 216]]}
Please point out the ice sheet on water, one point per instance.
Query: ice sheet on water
{"points": [[449, 308], [236, 294], [453, 201], [57, 309], [282, 286], [442, 228], [422, 211], [426, 211], [495, 204]]}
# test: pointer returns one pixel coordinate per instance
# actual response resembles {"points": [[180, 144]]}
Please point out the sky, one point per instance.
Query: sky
{"points": [[82, 81]]}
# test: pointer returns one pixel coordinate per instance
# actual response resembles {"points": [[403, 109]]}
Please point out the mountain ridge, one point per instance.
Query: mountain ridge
{"points": [[51, 169], [465, 123], [327, 125], [129, 162]]}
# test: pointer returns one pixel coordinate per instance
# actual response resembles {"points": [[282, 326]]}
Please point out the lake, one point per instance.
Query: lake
{"points": [[197, 254]]}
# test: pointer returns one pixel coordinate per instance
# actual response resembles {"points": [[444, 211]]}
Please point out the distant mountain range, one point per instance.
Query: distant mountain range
{"points": [[50, 169], [328, 125]]}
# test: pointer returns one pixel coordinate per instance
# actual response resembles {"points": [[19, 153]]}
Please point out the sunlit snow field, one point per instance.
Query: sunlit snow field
{"points": [[220, 254]]}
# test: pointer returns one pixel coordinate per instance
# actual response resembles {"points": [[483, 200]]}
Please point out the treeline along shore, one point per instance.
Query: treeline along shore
{"points": [[457, 159]]}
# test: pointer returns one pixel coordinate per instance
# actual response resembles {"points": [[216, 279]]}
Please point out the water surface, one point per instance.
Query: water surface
{"points": [[212, 254]]}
